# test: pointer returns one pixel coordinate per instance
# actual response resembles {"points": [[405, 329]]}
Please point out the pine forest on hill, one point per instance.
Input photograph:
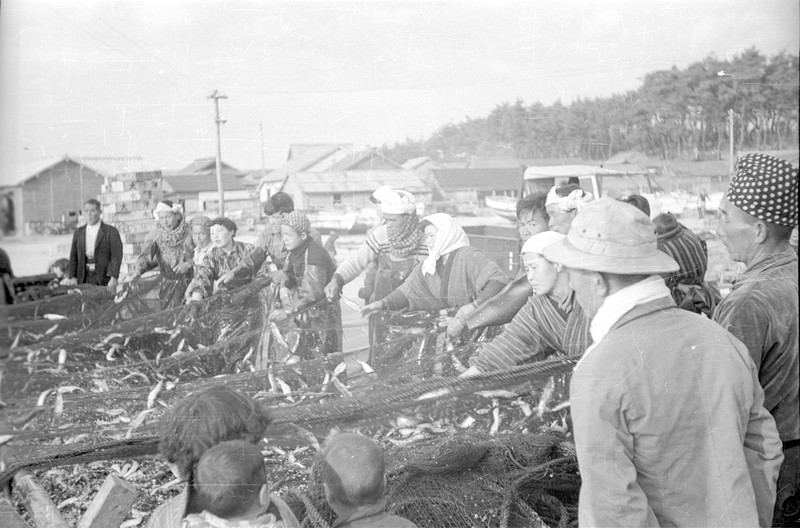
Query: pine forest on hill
{"points": [[674, 114]]}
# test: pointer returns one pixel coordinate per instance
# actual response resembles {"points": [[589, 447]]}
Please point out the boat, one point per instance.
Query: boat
{"points": [[344, 220], [505, 206]]}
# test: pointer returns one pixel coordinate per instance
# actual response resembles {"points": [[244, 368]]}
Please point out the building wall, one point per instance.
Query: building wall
{"points": [[58, 190]]}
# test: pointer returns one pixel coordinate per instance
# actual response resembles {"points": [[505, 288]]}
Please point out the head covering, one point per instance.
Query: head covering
{"points": [[297, 221], [380, 194], [539, 241], [167, 206], [450, 237], [202, 221], [397, 201], [574, 201], [612, 237], [765, 187], [688, 250]]}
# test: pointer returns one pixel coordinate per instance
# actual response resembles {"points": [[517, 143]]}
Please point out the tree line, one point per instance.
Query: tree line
{"points": [[674, 114]]}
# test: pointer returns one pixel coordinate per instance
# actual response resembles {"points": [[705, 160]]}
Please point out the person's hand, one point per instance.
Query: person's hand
{"points": [[465, 311], [278, 315], [470, 373], [71, 281], [454, 327], [194, 310], [112, 285], [277, 276], [183, 268], [371, 308], [240, 297], [332, 290], [226, 277]]}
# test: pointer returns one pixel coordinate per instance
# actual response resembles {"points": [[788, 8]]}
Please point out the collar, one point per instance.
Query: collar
{"points": [[94, 227], [362, 513], [778, 258], [616, 305]]}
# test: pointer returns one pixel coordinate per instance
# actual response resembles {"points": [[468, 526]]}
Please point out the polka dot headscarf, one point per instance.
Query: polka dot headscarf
{"points": [[765, 187]]}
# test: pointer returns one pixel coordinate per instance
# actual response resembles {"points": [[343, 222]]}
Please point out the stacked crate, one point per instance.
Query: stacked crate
{"points": [[128, 200]]}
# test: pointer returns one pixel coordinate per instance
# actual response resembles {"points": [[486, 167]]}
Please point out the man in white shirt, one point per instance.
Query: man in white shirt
{"points": [[96, 253]]}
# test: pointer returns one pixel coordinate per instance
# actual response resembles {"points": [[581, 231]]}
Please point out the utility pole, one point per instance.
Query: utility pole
{"points": [[730, 137], [735, 77], [263, 163], [216, 96]]}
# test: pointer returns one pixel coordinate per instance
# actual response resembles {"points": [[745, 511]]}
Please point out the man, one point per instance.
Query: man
{"points": [[756, 220], [96, 253], [550, 322], [532, 218], [669, 423]]}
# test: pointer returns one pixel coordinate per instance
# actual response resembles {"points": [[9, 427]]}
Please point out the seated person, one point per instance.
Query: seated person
{"points": [[532, 218], [306, 271], [551, 322], [352, 472], [454, 276], [212, 275], [233, 491], [687, 285], [563, 204]]}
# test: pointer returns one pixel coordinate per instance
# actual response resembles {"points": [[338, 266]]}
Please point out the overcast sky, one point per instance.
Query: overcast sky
{"points": [[132, 77]]}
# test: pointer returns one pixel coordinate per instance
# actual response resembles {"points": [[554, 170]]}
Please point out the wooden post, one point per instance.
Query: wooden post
{"points": [[111, 504], [43, 512]]}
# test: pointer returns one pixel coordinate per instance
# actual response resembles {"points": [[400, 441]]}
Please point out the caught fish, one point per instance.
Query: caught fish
{"points": [[151, 397]]}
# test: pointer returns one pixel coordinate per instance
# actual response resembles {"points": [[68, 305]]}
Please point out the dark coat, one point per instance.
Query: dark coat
{"points": [[107, 254]]}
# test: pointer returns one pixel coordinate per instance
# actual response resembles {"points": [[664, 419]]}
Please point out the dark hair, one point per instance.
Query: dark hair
{"points": [[639, 202], [565, 190], [62, 264], [353, 484], [280, 202], [95, 203], [229, 477], [206, 418], [533, 203], [227, 223], [778, 232]]}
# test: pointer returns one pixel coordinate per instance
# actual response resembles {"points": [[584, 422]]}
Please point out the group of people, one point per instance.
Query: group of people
{"points": [[211, 441]]}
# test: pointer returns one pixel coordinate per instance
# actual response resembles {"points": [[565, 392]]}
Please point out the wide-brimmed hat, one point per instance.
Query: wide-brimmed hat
{"points": [[612, 237]]}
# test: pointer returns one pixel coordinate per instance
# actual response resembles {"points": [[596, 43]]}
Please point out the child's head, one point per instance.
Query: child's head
{"points": [[205, 418], [60, 267], [231, 480], [352, 471]]}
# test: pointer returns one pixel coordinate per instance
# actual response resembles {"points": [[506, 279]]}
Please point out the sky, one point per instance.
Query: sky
{"points": [[132, 77]]}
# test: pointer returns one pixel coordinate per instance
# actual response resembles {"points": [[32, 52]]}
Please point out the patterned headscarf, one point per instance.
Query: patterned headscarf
{"points": [[297, 221], [765, 187], [202, 221], [450, 236], [404, 239]]}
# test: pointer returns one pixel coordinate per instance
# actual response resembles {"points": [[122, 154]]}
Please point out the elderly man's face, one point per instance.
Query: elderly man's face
{"points": [[587, 290], [737, 231]]}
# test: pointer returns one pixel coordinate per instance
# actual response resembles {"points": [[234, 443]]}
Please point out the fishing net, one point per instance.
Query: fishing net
{"points": [[474, 452]]}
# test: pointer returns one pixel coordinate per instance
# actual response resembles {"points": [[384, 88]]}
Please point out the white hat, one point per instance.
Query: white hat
{"points": [[539, 241], [380, 193], [398, 201]]}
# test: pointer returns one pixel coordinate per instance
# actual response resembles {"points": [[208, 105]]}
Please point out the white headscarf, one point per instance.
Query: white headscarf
{"points": [[449, 237], [572, 202]]}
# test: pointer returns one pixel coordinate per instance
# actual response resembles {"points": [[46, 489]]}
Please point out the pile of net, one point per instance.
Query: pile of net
{"points": [[95, 384], [470, 479]]}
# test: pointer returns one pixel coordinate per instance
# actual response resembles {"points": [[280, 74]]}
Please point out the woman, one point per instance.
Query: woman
{"points": [[225, 255], [201, 236], [169, 248], [563, 204], [454, 276], [197, 423], [551, 322], [301, 301]]}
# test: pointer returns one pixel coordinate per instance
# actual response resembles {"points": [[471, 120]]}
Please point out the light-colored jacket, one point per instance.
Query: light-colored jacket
{"points": [[670, 425]]}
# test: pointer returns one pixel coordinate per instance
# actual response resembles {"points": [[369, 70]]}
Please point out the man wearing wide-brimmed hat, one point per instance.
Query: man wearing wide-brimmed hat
{"points": [[756, 221], [670, 428]]}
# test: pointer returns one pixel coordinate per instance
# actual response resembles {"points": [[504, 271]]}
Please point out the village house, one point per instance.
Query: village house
{"points": [[47, 195], [195, 186]]}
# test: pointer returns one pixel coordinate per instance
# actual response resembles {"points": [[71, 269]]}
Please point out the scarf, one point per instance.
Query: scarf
{"points": [[574, 201], [404, 240], [616, 305], [450, 236], [174, 237]]}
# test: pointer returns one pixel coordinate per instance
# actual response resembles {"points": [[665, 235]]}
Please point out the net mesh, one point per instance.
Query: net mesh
{"points": [[476, 452]]}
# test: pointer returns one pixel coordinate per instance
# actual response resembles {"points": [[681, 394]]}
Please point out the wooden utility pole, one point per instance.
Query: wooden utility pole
{"points": [[263, 163], [216, 96]]}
